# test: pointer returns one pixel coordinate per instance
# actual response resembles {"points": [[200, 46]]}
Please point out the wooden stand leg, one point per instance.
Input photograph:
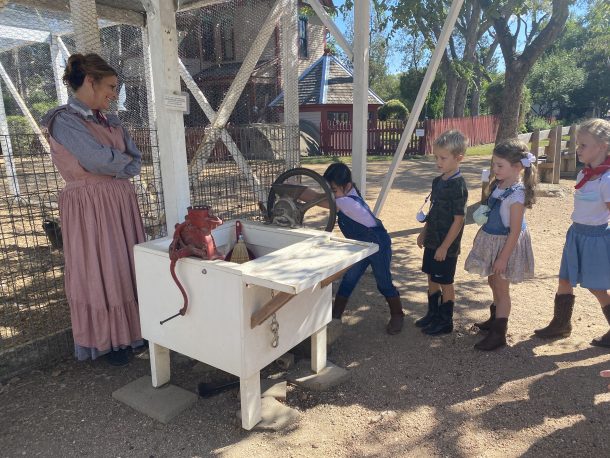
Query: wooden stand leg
{"points": [[159, 364], [318, 350], [250, 396]]}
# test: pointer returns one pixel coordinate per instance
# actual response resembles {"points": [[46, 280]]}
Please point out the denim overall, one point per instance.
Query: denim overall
{"points": [[380, 261], [494, 224]]}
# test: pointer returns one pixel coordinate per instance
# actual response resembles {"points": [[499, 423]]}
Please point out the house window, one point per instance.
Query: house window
{"points": [[303, 37], [227, 39], [207, 41], [337, 116]]}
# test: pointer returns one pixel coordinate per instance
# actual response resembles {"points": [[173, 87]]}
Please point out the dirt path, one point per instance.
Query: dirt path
{"points": [[408, 395]]}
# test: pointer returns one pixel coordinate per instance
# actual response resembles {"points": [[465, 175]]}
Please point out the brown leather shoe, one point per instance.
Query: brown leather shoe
{"points": [[496, 337], [560, 325]]}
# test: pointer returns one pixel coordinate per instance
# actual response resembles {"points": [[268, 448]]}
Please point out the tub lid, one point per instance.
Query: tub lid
{"points": [[300, 266]]}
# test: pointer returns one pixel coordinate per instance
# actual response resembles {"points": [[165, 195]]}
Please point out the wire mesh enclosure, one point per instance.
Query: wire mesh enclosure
{"points": [[34, 313], [237, 143]]}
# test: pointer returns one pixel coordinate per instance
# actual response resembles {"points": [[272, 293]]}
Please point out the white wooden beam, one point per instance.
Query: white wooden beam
{"points": [[332, 27], [241, 79], [109, 13], [63, 48], [241, 162], [197, 4], [57, 60], [443, 39], [362, 19], [290, 81], [23, 34], [84, 21], [163, 42], [26, 112], [7, 149]]}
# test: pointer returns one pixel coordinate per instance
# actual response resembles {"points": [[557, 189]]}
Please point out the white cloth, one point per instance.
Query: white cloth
{"points": [[590, 201], [517, 196], [354, 210]]}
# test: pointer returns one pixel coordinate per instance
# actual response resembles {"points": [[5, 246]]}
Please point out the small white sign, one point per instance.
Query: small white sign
{"points": [[176, 102], [419, 132]]}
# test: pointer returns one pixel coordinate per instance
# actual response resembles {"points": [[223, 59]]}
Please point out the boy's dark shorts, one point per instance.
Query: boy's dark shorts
{"points": [[441, 272]]}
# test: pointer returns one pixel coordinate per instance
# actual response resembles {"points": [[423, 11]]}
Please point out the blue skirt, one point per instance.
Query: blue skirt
{"points": [[586, 256]]}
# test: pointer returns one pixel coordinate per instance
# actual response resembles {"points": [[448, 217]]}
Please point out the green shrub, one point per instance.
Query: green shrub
{"points": [[393, 109], [18, 125]]}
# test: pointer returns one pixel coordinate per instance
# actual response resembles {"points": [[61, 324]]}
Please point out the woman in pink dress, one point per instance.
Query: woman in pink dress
{"points": [[99, 212]]}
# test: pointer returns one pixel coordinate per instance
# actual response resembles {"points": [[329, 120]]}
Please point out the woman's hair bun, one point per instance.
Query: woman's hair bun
{"points": [[79, 66]]}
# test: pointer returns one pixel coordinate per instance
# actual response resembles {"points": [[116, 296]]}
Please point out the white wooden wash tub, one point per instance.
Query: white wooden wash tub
{"points": [[227, 324]]}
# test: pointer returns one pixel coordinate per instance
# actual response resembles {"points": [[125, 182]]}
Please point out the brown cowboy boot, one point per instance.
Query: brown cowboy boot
{"points": [[339, 306], [604, 341], [397, 316], [485, 325], [560, 325], [496, 337]]}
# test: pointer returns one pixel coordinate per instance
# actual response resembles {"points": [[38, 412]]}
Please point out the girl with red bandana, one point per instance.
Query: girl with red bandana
{"points": [[586, 254]]}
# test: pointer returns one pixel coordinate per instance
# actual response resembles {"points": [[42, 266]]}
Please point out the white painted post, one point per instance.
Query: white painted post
{"points": [[163, 44], [443, 39], [57, 59], [160, 370], [250, 397], [290, 76], [7, 149], [318, 350], [84, 21], [362, 19]]}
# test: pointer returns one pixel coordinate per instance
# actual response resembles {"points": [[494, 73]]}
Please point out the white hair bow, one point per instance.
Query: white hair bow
{"points": [[528, 160]]}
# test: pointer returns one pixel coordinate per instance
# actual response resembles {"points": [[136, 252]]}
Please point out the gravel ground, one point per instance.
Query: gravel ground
{"points": [[408, 395]]}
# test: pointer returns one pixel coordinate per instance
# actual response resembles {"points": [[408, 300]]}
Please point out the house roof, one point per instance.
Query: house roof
{"points": [[327, 82]]}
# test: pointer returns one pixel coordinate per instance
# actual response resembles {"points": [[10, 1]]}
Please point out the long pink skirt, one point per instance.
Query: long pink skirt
{"points": [[101, 223]]}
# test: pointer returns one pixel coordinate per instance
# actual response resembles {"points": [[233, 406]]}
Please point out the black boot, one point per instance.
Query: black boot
{"points": [[485, 325], [603, 341], [339, 306], [444, 323], [397, 316], [560, 325], [496, 337], [434, 300]]}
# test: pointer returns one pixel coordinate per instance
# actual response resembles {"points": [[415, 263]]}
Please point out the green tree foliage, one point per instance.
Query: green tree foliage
{"points": [[553, 82], [393, 109], [586, 41], [410, 81]]}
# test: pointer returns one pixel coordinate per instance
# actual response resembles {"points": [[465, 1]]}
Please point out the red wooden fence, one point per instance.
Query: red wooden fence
{"points": [[479, 129], [382, 138]]}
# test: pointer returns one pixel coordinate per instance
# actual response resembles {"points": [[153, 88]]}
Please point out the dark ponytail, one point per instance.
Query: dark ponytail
{"points": [[79, 66]]}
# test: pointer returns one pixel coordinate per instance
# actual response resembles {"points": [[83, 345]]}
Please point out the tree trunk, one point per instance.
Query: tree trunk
{"points": [[475, 97], [451, 82], [460, 98], [511, 97]]}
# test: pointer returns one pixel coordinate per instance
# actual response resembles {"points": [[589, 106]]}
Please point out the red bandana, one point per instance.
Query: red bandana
{"points": [[588, 172]]}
